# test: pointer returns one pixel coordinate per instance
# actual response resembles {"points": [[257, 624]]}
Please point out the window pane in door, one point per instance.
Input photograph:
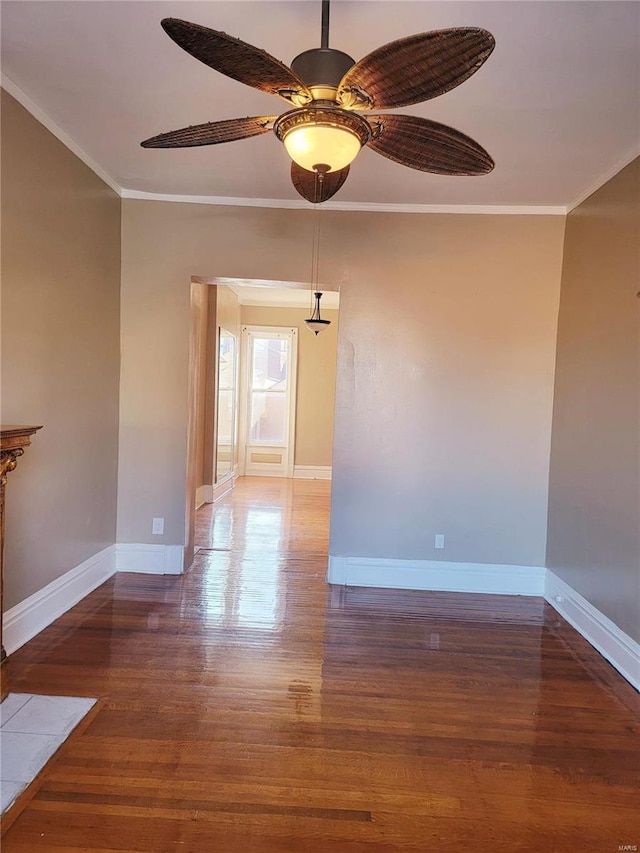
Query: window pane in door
{"points": [[268, 417], [270, 363]]}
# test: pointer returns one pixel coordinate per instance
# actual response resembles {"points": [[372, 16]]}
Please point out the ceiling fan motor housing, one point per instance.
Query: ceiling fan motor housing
{"points": [[322, 68]]}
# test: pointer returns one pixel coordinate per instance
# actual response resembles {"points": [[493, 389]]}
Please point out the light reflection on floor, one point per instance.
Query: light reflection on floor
{"points": [[242, 581]]}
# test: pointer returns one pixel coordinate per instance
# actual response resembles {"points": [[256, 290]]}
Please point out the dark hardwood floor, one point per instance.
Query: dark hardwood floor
{"points": [[247, 706]]}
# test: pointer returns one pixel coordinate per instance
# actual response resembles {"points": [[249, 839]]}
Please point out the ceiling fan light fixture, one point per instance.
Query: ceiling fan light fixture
{"points": [[331, 138], [323, 132], [314, 145]]}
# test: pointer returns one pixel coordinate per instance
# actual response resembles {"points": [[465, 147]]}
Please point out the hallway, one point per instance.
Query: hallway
{"points": [[248, 706]]}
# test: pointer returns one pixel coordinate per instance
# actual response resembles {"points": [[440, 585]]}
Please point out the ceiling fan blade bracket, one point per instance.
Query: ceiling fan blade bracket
{"points": [[295, 96], [353, 98], [377, 129]]}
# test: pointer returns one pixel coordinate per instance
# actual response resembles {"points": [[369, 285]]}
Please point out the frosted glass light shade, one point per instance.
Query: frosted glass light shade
{"points": [[322, 136], [317, 326], [313, 145]]}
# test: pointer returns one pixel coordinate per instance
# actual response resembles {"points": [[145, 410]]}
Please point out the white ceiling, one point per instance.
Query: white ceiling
{"points": [[557, 104], [280, 297]]}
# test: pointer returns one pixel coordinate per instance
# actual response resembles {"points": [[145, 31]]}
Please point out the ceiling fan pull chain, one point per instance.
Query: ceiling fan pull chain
{"points": [[318, 232], [314, 247]]}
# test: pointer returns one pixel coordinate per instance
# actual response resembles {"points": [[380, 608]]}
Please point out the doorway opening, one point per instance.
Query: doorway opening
{"points": [[261, 387]]}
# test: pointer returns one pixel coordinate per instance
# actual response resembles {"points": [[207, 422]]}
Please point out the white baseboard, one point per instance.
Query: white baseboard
{"points": [[204, 495], [37, 612], [268, 469], [435, 575], [312, 472], [150, 559], [613, 644]]}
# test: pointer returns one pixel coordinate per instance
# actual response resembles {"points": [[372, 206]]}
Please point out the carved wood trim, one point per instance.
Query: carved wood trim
{"points": [[13, 440], [8, 462]]}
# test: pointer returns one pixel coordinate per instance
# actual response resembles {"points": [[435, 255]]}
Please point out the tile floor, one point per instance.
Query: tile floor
{"points": [[31, 730]]}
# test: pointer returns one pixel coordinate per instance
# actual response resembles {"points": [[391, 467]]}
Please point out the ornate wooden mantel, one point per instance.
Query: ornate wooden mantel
{"points": [[13, 440]]}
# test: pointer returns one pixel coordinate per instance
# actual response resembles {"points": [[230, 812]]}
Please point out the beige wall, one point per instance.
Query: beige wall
{"points": [[315, 399], [594, 511], [444, 388], [60, 353], [445, 369]]}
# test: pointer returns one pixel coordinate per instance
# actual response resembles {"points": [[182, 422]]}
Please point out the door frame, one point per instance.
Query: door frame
{"points": [[286, 467]]}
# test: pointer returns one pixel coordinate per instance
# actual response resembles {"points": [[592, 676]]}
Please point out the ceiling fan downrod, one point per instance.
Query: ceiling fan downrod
{"points": [[324, 37]]}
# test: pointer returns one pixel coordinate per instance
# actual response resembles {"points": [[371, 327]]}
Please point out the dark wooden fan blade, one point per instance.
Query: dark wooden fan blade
{"points": [[428, 146], [238, 60], [415, 68], [211, 133], [314, 188]]}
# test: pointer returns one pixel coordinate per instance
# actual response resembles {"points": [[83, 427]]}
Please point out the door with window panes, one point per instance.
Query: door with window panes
{"points": [[268, 413]]}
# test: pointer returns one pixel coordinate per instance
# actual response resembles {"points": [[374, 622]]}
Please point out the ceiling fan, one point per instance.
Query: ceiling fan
{"points": [[329, 91]]}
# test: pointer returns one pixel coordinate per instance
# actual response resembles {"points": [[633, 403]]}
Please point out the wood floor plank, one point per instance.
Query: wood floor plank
{"points": [[248, 706]]}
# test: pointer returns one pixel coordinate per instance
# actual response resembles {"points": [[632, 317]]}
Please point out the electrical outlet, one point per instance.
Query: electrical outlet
{"points": [[439, 540], [157, 526]]}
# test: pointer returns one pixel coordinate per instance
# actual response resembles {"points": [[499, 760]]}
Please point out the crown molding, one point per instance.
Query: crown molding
{"points": [[606, 176], [31, 107], [294, 204], [355, 206]]}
